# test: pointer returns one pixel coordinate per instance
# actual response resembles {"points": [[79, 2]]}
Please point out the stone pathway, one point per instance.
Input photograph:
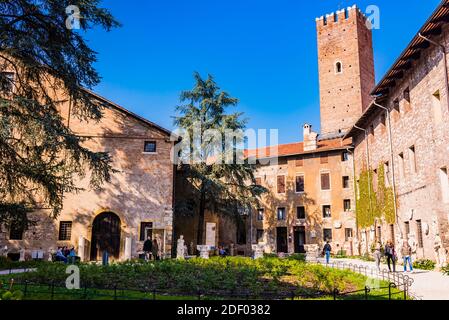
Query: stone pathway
{"points": [[427, 285]]}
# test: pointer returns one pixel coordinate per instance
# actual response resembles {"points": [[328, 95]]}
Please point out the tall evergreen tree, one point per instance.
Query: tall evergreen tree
{"points": [[43, 52], [223, 187]]}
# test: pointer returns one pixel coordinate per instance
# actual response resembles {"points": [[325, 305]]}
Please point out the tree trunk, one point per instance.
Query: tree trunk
{"points": [[199, 240]]}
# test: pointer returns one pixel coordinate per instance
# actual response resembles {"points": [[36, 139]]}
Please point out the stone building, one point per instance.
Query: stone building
{"points": [[136, 203], [405, 129]]}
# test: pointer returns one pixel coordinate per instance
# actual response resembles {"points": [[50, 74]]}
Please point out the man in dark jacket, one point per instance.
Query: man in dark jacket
{"points": [[147, 247], [327, 251]]}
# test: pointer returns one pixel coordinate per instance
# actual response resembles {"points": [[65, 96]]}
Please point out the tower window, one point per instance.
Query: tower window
{"points": [[338, 67]]}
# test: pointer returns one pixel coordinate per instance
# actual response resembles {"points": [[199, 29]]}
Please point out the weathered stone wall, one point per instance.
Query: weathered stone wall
{"points": [[415, 125], [140, 191]]}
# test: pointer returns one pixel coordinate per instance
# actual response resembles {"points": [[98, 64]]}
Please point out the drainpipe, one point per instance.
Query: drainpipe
{"points": [[355, 196], [369, 175], [443, 49], [392, 164]]}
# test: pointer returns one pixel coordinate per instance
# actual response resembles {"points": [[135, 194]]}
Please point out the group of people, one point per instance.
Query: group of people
{"points": [[390, 253], [66, 255], [151, 249]]}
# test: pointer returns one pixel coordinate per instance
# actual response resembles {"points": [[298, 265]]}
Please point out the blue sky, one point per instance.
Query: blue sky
{"points": [[260, 51]]}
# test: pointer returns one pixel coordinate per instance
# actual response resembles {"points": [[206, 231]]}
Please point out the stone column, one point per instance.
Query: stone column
{"points": [[81, 248], [128, 248]]}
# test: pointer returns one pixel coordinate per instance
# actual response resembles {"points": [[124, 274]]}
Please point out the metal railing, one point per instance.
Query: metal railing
{"points": [[399, 280]]}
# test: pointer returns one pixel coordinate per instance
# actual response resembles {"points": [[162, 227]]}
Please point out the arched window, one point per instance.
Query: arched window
{"points": [[338, 67]]}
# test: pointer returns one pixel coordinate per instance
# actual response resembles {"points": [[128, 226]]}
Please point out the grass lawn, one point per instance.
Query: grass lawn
{"points": [[216, 278]]}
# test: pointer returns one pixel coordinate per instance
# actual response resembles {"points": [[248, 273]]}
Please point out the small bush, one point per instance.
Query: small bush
{"points": [[298, 257], [424, 264]]}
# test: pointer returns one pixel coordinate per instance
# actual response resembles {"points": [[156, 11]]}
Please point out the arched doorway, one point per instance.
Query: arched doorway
{"points": [[105, 236]]}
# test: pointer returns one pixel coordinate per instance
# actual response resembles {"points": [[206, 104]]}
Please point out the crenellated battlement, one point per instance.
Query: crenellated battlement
{"points": [[339, 15]]}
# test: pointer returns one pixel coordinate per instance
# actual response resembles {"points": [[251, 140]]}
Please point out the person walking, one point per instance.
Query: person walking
{"points": [[390, 253], [327, 249], [147, 248], [378, 254], [406, 252], [155, 250]]}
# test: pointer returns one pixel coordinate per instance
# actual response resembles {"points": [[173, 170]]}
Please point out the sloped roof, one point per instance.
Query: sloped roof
{"points": [[129, 113], [297, 148]]}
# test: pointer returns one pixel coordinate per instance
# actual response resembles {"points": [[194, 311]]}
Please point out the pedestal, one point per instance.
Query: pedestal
{"points": [[204, 251], [128, 248], [312, 252], [22, 255], [81, 248], [258, 250]]}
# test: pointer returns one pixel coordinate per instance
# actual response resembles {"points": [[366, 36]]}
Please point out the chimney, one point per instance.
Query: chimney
{"points": [[310, 138]]}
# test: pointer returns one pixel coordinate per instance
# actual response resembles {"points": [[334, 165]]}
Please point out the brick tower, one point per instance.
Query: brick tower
{"points": [[346, 68]]}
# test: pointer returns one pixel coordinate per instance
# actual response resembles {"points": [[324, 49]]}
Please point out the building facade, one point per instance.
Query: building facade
{"points": [[137, 203], [407, 132]]}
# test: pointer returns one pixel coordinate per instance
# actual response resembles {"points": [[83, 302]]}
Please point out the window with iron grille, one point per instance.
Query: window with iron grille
{"points": [[379, 233], [16, 232], [407, 228], [420, 237], [150, 147], [65, 230]]}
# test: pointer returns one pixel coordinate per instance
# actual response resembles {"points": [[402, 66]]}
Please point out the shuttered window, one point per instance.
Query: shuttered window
{"points": [[281, 184], [325, 181]]}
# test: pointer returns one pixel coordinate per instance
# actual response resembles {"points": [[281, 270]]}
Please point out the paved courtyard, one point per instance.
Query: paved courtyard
{"points": [[427, 285]]}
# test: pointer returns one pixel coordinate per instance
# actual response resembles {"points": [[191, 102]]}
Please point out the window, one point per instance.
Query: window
{"points": [[347, 205], [444, 180], [281, 214], [146, 230], [436, 106], [7, 82], [345, 182], [412, 157], [281, 184], [150, 147], [299, 162], [407, 95], [324, 158], [420, 237], [16, 232], [259, 235], [401, 165], [348, 234], [325, 181], [301, 212], [241, 231], [391, 231], [260, 214], [65, 230], [379, 233], [396, 105], [407, 228], [299, 184], [327, 234], [327, 211], [338, 67], [345, 156]]}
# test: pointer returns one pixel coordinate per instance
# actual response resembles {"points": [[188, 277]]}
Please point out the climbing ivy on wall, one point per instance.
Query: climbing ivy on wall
{"points": [[385, 197], [371, 203]]}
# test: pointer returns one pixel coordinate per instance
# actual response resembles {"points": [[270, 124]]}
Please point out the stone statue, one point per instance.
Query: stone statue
{"points": [[180, 248], [22, 254], [192, 249], [412, 243], [439, 250], [5, 251], [50, 255]]}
